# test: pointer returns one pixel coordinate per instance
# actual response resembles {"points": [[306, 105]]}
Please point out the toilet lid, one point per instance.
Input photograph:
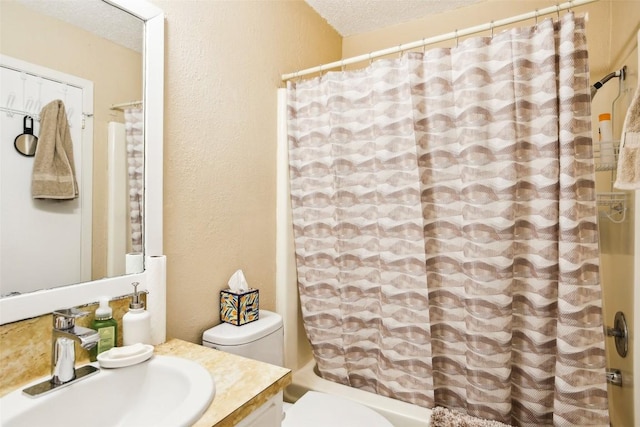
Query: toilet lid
{"points": [[316, 409]]}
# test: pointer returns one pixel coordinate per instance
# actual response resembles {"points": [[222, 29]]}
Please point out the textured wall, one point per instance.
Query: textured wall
{"points": [[223, 62]]}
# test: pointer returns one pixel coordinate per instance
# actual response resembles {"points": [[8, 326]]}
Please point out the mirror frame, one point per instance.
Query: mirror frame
{"points": [[153, 278]]}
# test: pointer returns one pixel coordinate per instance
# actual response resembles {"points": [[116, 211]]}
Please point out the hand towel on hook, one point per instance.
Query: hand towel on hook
{"points": [[54, 174], [628, 174]]}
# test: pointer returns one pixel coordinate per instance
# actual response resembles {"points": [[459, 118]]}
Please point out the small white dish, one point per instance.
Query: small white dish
{"points": [[107, 361]]}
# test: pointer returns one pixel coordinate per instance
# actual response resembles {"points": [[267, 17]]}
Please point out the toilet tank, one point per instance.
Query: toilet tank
{"points": [[261, 340]]}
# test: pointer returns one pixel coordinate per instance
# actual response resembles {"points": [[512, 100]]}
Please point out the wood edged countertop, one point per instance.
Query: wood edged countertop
{"points": [[242, 385]]}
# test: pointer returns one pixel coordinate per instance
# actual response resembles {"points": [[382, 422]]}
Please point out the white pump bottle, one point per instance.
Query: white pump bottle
{"points": [[136, 323]]}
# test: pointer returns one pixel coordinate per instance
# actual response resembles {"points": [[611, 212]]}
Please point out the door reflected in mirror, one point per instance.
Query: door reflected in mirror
{"points": [[49, 243]]}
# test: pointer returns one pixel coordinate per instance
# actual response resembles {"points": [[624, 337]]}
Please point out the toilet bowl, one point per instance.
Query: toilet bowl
{"points": [[263, 340]]}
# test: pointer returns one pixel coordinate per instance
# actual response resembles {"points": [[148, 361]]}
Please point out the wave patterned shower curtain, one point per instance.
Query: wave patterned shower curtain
{"points": [[445, 227], [134, 131]]}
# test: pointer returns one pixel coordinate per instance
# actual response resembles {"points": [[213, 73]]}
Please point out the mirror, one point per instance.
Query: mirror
{"points": [[152, 279], [88, 238]]}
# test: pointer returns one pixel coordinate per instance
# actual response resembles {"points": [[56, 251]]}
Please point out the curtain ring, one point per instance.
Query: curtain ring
{"points": [[370, 58], [400, 50], [491, 29], [342, 65], [424, 46], [570, 5], [457, 39], [536, 17], [558, 10], [320, 70]]}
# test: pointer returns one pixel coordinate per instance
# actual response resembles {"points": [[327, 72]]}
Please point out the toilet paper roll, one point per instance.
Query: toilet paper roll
{"points": [[134, 263]]}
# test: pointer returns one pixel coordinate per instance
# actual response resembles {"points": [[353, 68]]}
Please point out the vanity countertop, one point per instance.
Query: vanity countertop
{"points": [[242, 384]]}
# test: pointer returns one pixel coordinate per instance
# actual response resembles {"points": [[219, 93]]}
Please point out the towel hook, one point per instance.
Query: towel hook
{"points": [[65, 89], [38, 104], [23, 76], [69, 115], [28, 104], [10, 100]]}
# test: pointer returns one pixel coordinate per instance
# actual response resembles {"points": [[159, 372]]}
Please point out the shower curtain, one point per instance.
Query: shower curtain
{"points": [[445, 227], [134, 130]]}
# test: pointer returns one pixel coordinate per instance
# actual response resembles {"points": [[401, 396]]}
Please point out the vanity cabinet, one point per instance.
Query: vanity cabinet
{"points": [[267, 415]]}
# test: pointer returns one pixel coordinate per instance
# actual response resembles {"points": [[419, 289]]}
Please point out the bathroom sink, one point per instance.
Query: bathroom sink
{"points": [[163, 391]]}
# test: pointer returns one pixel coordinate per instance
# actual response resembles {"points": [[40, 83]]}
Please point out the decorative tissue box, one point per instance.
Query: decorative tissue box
{"points": [[239, 307]]}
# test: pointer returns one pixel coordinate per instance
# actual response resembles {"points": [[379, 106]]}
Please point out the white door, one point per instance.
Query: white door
{"points": [[43, 243]]}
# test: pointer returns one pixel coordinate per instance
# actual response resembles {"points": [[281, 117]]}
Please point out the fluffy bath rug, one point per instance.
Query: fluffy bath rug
{"points": [[443, 417]]}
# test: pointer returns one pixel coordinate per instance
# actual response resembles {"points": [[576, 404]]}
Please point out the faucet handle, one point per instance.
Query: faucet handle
{"points": [[66, 318]]}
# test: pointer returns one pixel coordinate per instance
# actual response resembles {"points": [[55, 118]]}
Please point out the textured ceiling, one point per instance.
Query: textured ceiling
{"points": [[351, 17], [348, 17], [94, 16]]}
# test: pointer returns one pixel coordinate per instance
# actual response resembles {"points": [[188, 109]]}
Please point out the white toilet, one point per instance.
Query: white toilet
{"points": [[264, 340]]}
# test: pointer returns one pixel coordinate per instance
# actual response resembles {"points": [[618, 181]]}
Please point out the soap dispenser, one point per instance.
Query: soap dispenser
{"points": [[107, 328], [136, 323]]}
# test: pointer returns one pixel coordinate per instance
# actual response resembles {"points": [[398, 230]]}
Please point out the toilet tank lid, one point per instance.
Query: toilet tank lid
{"points": [[227, 334]]}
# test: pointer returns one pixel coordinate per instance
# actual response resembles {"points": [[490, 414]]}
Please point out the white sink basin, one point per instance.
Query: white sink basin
{"points": [[163, 391]]}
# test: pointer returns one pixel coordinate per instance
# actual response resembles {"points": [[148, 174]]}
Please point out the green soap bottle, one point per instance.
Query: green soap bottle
{"points": [[107, 328]]}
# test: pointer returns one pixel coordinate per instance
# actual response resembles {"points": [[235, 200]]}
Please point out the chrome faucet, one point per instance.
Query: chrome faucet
{"points": [[63, 356], [65, 332]]}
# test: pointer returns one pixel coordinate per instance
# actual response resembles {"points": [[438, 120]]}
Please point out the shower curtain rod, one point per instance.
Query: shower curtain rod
{"points": [[124, 105], [436, 39]]}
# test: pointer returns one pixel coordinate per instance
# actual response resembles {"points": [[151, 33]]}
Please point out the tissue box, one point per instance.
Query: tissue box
{"points": [[239, 308]]}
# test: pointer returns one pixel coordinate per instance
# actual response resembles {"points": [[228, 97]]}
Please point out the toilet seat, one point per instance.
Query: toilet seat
{"points": [[316, 409]]}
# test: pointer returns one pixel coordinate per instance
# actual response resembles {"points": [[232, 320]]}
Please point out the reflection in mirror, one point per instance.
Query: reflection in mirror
{"points": [[89, 55], [152, 279]]}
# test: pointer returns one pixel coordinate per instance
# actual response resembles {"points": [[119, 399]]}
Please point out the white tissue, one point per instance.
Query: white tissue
{"points": [[237, 283]]}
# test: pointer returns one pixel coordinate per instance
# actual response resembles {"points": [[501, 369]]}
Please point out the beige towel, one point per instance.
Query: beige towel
{"points": [[54, 173], [443, 417], [628, 175]]}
